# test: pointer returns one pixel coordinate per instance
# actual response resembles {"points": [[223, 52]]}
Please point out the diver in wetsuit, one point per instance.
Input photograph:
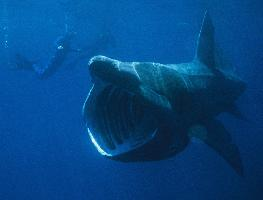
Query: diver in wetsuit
{"points": [[98, 46], [63, 48]]}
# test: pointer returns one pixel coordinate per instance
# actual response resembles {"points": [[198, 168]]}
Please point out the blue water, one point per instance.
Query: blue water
{"points": [[45, 152]]}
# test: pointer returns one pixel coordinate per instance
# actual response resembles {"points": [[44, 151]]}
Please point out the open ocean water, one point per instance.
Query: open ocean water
{"points": [[45, 151]]}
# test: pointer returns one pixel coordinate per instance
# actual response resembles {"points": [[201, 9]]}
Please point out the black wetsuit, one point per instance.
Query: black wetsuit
{"points": [[63, 48]]}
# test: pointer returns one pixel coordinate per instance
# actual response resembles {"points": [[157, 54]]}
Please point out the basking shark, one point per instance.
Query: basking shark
{"points": [[145, 111]]}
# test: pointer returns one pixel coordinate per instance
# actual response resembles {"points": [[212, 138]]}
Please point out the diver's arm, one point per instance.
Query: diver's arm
{"points": [[76, 50]]}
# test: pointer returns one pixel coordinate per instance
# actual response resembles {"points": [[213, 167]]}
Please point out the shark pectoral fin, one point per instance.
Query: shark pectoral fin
{"points": [[154, 98], [214, 134], [205, 44], [220, 140]]}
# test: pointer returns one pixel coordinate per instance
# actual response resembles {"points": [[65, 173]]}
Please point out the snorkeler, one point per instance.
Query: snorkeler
{"points": [[98, 46], [63, 48]]}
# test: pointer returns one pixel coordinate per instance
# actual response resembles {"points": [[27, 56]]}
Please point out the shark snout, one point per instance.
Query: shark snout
{"points": [[102, 67], [113, 71]]}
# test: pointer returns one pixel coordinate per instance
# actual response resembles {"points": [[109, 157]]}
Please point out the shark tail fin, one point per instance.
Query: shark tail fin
{"points": [[218, 138], [205, 43]]}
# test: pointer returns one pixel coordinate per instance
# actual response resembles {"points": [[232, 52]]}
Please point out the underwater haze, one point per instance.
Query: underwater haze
{"points": [[45, 150]]}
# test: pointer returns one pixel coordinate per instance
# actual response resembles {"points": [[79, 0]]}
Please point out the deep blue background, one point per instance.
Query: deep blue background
{"points": [[45, 152]]}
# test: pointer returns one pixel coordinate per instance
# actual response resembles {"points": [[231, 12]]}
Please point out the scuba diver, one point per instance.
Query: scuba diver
{"points": [[63, 48], [100, 44]]}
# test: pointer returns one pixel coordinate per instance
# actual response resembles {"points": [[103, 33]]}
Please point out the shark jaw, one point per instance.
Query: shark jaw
{"points": [[116, 120]]}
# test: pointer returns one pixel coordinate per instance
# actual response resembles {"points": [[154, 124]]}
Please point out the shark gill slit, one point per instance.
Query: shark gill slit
{"points": [[118, 116], [101, 122]]}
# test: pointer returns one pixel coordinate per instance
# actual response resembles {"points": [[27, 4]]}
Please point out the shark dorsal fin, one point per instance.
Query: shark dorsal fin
{"points": [[205, 43]]}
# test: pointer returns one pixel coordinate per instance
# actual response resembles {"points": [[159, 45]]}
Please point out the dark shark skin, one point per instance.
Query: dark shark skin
{"points": [[144, 111]]}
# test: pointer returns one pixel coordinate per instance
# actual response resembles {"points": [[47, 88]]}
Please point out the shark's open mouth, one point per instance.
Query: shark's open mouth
{"points": [[116, 120], [144, 111]]}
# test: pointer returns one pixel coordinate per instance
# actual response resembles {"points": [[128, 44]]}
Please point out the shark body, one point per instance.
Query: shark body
{"points": [[145, 111]]}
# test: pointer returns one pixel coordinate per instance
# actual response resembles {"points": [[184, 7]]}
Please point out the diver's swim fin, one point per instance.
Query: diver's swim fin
{"points": [[220, 140]]}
